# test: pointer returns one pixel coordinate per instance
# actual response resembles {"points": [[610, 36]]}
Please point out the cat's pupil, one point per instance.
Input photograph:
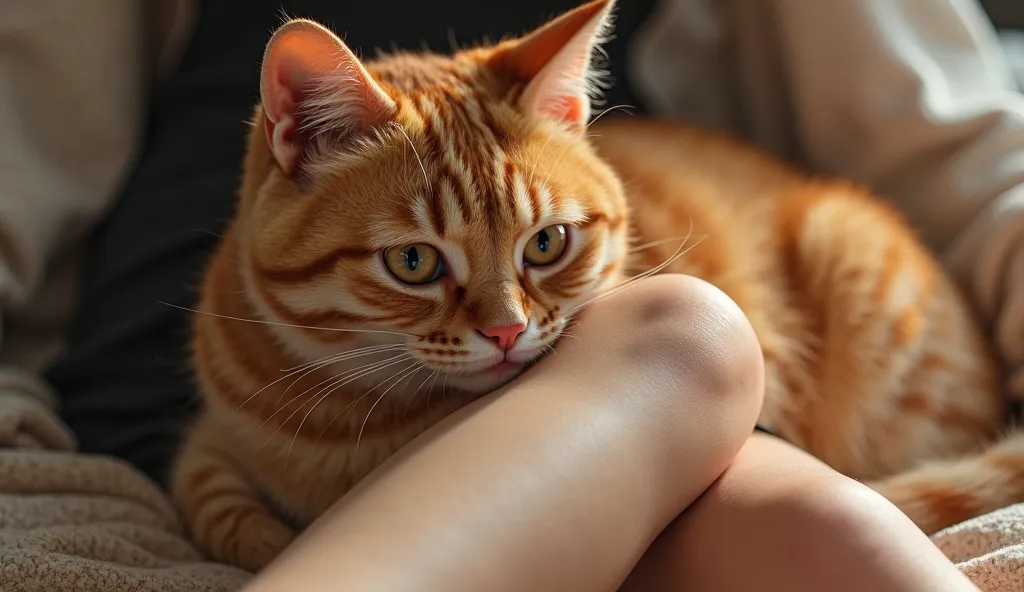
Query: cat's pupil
{"points": [[543, 241], [412, 258]]}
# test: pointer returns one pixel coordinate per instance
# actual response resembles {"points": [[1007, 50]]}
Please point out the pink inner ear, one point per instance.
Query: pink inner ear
{"points": [[571, 109], [291, 63], [312, 83], [556, 59], [286, 78]]}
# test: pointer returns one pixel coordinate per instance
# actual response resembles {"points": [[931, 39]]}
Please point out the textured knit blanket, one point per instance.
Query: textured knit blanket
{"points": [[71, 522]]}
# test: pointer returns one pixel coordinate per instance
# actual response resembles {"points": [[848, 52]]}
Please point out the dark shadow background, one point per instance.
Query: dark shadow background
{"points": [[1006, 14]]}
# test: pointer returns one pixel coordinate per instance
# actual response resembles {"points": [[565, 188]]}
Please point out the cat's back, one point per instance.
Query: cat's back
{"points": [[710, 193], [686, 157], [681, 180], [843, 296]]}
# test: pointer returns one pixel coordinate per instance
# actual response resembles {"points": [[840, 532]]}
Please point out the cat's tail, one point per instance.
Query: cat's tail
{"points": [[943, 493]]}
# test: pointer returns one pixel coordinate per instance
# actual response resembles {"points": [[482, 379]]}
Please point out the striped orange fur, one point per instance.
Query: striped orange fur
{"points": [[398, 251]]}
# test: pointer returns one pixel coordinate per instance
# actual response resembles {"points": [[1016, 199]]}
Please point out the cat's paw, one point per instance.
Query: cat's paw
{"points": [[257, 541]]}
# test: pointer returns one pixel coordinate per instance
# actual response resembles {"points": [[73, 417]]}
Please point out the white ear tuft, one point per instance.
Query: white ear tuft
{"points": [[316, 93], [556, 60]]}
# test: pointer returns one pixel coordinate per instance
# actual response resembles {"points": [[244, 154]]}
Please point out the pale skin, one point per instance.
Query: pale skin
{"points": [[779, 520], [563, 479]]}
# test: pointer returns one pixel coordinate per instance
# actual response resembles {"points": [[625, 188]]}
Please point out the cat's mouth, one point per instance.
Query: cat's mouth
{"points": [[498, 367], [488, 370], [483, 378], [486, 374], [503, 367]]}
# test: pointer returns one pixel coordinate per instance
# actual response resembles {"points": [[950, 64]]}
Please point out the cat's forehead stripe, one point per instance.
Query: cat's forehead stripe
{"points": [[463, 186], [472, 179], [526, 204], [427, 218], [452, 205], [476, 180], [499, 170]]}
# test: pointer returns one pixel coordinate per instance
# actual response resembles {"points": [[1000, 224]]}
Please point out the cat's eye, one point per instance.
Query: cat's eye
{"points": [[547, 246], [414, 264]]}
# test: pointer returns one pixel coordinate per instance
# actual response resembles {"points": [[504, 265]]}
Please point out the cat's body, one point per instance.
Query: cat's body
{"points": [[873, 361]]}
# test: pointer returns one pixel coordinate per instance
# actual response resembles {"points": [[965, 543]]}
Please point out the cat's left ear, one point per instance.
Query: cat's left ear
{"points": [[314, 88], [556, 61]]}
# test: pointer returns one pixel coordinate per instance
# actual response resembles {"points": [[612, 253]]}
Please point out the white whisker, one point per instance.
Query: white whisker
{"points": [[343, 378], [415, 368], [658, 243], [633, 281], [605, 112], [327, 394], [333, 379], [430, 388], [679, 252], [349, 353], [333, 419], [408, 379], [341, 358], [415, 394], [592, 122], [419, 160], [565, 330], [317, 365], [350, 376], [277, 324], [540, 153], [290, 372]]}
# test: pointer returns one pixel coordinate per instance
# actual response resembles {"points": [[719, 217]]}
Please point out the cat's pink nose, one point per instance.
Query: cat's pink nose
{"points": [[504, 335]]}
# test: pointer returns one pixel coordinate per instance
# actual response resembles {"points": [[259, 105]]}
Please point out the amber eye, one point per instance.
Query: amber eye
{"points": [[415, 264], [545, 247]]}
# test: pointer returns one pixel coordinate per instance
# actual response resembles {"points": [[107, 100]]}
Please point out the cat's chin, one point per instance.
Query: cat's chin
{"points": [[488, 379]]}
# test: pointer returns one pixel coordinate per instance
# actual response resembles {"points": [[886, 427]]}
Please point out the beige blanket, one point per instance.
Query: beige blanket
{"points": [[72, 522], [989, 549]]}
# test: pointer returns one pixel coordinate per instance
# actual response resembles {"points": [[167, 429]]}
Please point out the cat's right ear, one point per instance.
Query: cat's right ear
{"points": [[313, 87]]}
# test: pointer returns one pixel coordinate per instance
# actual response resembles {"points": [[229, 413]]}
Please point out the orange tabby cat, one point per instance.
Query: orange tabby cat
{"points": [[413, 231]]}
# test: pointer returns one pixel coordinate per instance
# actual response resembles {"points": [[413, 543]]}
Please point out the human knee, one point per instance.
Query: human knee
{"points": [[832, 508], [700, 334]]}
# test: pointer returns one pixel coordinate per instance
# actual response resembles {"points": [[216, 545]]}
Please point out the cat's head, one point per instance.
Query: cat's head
{"points": [[449, 203]]}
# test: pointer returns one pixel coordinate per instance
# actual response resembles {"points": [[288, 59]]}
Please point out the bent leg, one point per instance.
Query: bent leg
{"points": [[562, 479], [226, 515], [779, 519]]}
